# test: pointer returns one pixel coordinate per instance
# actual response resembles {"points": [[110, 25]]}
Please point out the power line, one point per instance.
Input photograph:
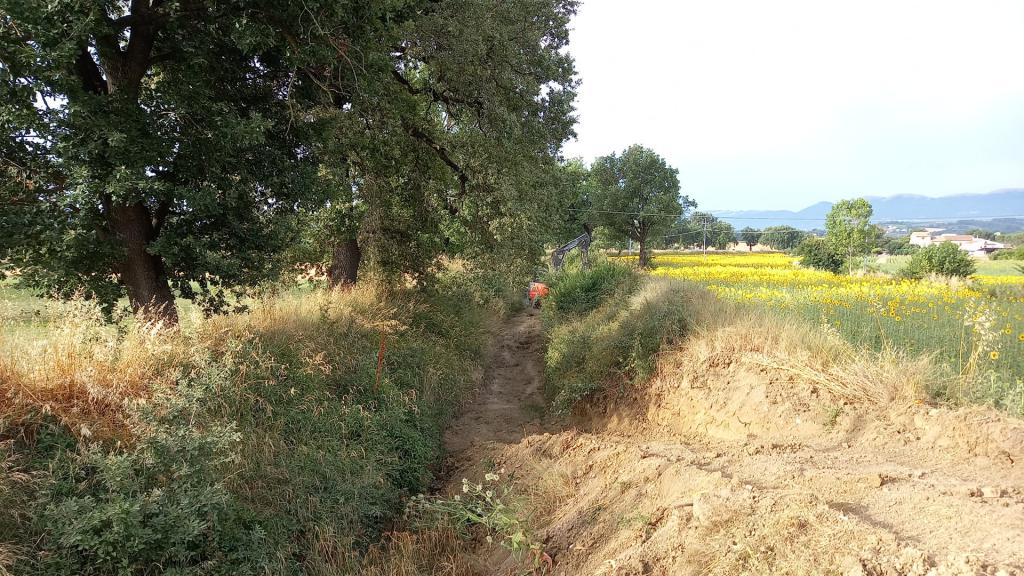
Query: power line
{"points": [[796, 219]]}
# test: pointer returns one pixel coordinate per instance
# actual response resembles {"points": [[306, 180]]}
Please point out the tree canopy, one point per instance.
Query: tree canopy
{"points": [[710, 231], [750, 237], [848, 229], [155, 147], [782, 237], [635, 195]]}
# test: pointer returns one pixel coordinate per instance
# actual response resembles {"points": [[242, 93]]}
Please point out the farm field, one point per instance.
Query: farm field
{"points": [[893, 264], [974, 329]]}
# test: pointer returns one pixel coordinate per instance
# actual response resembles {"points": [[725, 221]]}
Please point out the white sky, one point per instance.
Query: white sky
{"points": [[782, 103]]}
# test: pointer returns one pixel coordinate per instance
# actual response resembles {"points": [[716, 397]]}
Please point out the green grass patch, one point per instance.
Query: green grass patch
{"points": [[894, 264]]}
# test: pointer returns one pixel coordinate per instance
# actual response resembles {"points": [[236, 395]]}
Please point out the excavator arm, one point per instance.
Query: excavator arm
{"points": [[582, 242]]}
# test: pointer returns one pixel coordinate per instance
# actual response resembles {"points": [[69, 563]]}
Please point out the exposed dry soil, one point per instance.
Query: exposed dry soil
{"points": [[723, 465]]}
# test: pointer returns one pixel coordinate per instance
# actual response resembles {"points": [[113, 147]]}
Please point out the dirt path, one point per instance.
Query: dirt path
{"points": [[727, 468], [510, 401]]}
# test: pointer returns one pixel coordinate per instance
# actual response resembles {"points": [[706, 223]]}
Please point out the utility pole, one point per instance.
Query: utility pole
{"points": [[704, 221]]}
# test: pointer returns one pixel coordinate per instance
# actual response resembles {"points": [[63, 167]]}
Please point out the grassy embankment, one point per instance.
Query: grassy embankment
{"points": [[258, 443], [973, 330], [606, 326]]}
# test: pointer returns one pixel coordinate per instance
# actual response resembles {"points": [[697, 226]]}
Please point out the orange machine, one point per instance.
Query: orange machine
{"points": [[537, 291]]}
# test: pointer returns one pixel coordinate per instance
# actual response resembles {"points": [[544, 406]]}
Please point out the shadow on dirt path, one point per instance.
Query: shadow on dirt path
{"points": [[509, 404]]}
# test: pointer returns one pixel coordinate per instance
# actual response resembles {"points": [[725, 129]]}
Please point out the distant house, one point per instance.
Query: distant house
{"points": [[966, 242], [921, 239]]}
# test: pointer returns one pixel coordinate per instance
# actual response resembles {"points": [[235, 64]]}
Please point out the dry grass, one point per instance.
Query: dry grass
{"points": [[889, 378], [725, 333], [549, 487], [437, 552], [85, 371]]}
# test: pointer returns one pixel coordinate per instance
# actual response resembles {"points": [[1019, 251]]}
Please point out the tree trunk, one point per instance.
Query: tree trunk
{"points": [[345, 260], [142, 272], [643, 252]]}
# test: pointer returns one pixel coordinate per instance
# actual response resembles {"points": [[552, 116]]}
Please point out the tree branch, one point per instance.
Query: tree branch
{"points": [[89, 73], [445, 157]]}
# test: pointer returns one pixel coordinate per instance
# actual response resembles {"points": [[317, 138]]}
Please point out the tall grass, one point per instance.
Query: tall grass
{"points": [[605, 326], [255, 443], [688, 330], [972, 329]]}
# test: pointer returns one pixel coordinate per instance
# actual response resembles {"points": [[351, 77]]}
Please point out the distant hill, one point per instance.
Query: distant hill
{"points": [[901, 208]]}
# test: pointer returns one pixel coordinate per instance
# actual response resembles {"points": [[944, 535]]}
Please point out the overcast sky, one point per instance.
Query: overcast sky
{"points": [[783, 103]]}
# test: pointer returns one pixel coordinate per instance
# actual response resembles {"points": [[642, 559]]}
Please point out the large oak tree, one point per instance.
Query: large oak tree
{"points": [[151, 144]]}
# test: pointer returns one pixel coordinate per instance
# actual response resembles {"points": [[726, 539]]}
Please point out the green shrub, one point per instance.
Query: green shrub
{"points": [[128, 509], [900, 246], [1009, 254], [945, 259], [579, 291], [816, 253], [615, 344]]}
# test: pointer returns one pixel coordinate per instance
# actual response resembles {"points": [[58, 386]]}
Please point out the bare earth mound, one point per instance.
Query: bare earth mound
{"points": [[730, 464]]}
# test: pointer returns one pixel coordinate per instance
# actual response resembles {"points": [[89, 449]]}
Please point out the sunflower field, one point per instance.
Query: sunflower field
{"points": [[973, 327]]}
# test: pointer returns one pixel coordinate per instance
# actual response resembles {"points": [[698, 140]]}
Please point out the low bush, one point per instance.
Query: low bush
{"points": [[816, 253], [945, 259], [616, 343], [579, 291], [162, 501], [1016, 253]]}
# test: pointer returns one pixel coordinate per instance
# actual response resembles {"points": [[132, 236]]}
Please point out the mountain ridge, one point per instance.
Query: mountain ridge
{"points": [[1002, 203]]}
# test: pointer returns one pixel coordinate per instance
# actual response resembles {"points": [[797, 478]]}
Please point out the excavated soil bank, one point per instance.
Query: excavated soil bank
{"points": [[733, 465]]}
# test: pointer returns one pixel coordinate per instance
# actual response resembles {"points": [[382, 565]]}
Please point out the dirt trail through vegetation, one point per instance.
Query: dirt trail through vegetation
{"points": [[510, 401], [727, 467]]}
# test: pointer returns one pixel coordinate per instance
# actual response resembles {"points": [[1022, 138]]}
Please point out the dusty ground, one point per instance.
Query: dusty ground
{"points": [[726, 466], [509, 404]]}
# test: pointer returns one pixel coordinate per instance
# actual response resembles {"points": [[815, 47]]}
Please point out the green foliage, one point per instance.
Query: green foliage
{"points": [[578, 291], [682, 233], [718, 233], [160, 502], [782, 237], [1009, 254], [615, 344], [165, 159], [818, 253], [574, 189], [944, 259], [848, 229], [750, 236], [280, 457], [898, 246], [223, 142], [636, 195], [982, 233]]}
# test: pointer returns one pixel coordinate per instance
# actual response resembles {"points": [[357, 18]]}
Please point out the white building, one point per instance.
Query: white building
{"points": [[966, 242]]}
